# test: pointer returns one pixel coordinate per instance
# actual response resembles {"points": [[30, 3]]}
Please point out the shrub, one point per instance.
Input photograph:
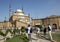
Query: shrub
{"points": [[40, 27], [14, 31], [23, 29], [1, 33], [4, 34]]}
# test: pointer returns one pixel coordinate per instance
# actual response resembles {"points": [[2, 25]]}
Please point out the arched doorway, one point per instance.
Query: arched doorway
{"points": [[54, 26]]}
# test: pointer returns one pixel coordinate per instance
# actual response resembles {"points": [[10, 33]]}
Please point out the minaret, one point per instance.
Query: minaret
{"points": [[22, 9], [29, 14], [10, 9], [5, 19]]}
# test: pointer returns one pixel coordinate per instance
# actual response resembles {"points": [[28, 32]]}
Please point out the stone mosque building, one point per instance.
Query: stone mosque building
{"points": [[17, 19]]}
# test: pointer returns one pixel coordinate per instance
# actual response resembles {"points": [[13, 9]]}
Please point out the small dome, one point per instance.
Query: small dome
{"points": [[18, 10]]}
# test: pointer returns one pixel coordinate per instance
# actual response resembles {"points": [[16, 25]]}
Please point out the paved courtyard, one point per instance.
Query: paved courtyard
{"points": [[35, 39], [1, 38]]}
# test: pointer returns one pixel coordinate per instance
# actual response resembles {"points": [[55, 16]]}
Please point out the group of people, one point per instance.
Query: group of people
{"points": [[49, 28], [29, 30]]}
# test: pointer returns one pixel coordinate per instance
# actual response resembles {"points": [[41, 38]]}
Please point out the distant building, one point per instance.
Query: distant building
{"points": [[52, 20], [17, 19]]}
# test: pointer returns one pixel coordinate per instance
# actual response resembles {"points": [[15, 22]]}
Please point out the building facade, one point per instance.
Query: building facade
{"points": [[17, 19], [52, 20]]}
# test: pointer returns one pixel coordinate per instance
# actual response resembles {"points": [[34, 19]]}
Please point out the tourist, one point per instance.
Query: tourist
{"points": [[38, 31], [29, 31], [44, 30], [49, 31]]}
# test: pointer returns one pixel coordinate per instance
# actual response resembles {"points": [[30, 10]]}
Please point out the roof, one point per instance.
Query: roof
{"points": [[52, 16], [18, 10]]}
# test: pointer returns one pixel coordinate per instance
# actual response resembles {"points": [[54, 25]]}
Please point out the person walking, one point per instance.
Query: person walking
{"points": [[49, 31], [44, 31], [38, 31], [29, 31]]}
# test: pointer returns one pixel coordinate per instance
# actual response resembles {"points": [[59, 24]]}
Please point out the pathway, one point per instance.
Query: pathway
{"points": [[35, 39]]}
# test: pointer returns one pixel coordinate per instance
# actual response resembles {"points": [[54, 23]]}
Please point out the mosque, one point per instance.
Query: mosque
{"points": [[17, 19]]}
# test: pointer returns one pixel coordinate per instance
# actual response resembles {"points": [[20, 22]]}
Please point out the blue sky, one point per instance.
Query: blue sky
{"points": [[36, 8]]}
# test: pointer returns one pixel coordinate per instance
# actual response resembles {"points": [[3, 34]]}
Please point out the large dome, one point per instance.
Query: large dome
{"points": [[18, 10]]}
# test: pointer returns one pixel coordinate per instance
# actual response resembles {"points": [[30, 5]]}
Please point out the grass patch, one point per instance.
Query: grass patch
{"points": [[56, 36], [18, 38], [15, 39]]}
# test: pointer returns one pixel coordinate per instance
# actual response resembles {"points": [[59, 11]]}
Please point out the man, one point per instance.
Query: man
{"points": [[29, 31], [44, 30], [37, 31], [49, 31]]}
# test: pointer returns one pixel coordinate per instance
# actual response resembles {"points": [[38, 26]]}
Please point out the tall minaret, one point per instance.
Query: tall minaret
{"points": [[22, 9], [5, 19], [29, 14], [10, 9]]}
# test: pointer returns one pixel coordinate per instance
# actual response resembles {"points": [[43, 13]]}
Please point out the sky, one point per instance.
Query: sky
{"points": [[36, 8]]}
